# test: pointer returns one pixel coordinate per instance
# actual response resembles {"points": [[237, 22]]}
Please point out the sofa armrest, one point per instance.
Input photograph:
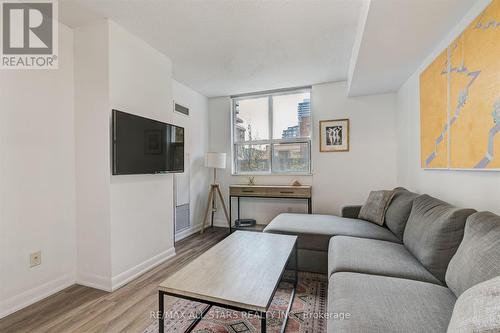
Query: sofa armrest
{"points": [[351, 211]]}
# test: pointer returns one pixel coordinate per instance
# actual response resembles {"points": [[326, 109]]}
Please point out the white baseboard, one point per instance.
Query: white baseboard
{"points": [[187, 232], [28, 297], [93, 281], [130, 274]]}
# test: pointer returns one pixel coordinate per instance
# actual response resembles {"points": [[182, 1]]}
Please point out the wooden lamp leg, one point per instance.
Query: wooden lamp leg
{"points": [[223, 205], [209, 206]]}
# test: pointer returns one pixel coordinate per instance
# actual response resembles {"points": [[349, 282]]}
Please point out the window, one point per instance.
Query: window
{"points": [[272, 133]]}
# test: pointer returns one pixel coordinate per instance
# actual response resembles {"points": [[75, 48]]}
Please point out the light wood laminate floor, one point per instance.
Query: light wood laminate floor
{"points": [[128, 309]]}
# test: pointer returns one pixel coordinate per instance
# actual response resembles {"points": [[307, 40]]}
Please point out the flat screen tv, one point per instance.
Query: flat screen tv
{"points": [[145, 146]]}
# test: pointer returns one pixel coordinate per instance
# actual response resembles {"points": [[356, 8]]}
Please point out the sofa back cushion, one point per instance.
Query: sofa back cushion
{"points": [[478, 256], [399, 210], [477, 309], [434, 232]]}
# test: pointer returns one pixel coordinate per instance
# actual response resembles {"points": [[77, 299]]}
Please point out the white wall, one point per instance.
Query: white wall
{"points": [[125, 223], [196, 144], [475, 189], [37, 180], [347, 178], [338, 179], [141, 205], [57, 194], [93, 211]]}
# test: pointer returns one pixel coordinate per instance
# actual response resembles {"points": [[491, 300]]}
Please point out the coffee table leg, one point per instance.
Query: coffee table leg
{"points": [[296, 266], [161, 324], [263, 322]]}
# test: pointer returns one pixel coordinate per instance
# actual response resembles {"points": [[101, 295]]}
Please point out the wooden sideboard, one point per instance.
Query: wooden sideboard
{"points": [[303, 192]]}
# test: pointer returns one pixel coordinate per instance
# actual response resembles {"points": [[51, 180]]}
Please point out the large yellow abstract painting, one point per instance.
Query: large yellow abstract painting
{"points": [[460, 99]]}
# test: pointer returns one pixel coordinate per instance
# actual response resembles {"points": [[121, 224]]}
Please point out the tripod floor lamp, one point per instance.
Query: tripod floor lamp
{"points": [[215, 161]]}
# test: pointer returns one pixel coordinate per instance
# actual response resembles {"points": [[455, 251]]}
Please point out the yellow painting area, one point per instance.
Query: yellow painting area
{"points": [[460, 99], [433, 100]]}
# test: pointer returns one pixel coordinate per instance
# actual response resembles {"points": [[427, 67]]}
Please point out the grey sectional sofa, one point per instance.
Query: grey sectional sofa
{"points": [[404, 276]]}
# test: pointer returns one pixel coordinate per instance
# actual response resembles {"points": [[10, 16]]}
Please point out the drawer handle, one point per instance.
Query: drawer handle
{"points": [[247, 191], [287, 192]]}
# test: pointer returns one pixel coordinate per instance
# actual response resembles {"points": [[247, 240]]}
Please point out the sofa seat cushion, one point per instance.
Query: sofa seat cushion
{"points": [[386, 304], [314, 231], [371, 256], [478, 256]]}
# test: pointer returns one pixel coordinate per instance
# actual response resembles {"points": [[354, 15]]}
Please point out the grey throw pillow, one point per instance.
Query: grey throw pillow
{"points": [[399, 210], [478, 256], [434, 232], [375, 207], [477, 309]]}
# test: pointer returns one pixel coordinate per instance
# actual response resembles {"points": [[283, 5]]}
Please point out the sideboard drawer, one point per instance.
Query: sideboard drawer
{"points": [[271, 191]]}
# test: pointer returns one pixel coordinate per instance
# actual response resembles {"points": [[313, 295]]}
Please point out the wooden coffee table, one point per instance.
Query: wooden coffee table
{"points": [[242, 273]]}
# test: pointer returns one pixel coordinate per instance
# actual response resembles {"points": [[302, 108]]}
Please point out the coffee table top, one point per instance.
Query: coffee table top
{"points": [[243, 271]]}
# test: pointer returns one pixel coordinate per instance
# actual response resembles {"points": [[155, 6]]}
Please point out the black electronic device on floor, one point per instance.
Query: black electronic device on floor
{"points": [[245, 222]]}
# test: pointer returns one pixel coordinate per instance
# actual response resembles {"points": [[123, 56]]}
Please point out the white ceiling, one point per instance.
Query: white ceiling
{"points": [[397, 36], [226, 47], [221, 47]]}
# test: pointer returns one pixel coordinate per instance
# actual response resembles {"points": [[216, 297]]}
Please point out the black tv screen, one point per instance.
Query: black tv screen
{"points": [[144, 146]]}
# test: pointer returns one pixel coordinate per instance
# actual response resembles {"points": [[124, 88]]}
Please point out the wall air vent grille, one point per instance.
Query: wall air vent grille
{"points": [[181, 109]]}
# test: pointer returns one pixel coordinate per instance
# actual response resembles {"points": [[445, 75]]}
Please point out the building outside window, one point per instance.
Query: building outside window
{"points": [[272, 133]]}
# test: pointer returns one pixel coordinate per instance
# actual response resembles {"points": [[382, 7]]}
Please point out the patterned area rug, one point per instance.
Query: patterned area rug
{"points": [[305, 317]]}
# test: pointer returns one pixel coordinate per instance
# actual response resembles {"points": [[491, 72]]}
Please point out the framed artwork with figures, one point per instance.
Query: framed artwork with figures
{"points": [[334, 135]]}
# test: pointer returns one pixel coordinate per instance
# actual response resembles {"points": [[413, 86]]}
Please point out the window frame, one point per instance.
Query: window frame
{"points": [[271, 142]]}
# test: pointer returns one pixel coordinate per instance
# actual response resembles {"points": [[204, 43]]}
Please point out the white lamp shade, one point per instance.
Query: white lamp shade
{"points": [[215, 160]]}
